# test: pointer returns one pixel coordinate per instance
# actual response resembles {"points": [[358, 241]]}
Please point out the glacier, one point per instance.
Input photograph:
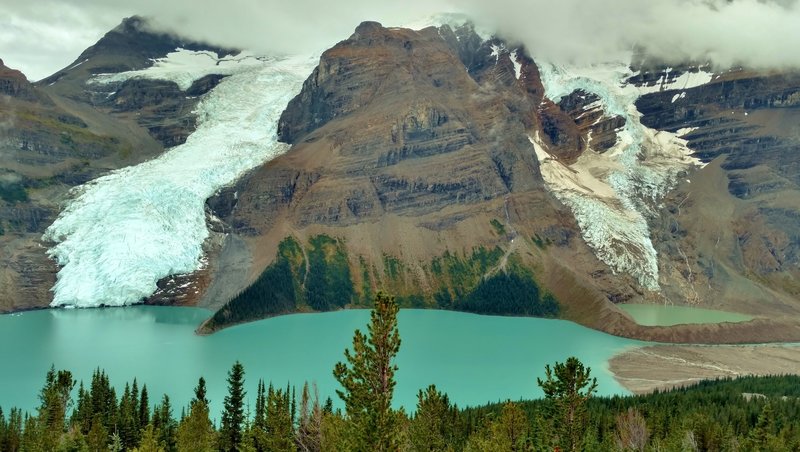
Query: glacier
{"points": [[121, 233], [612, 194]]}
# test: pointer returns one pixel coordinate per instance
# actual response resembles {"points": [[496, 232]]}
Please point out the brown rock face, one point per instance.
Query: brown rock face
{"points": [[14, 83], [730, 238], [391, 123], [413, 145]]}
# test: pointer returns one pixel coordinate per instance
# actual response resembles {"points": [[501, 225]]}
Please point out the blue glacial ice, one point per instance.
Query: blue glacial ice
{"points": [[123, 232]]}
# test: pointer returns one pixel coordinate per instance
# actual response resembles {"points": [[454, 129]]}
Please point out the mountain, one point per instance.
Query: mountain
{"points": [[446, 166], [410, 173]]}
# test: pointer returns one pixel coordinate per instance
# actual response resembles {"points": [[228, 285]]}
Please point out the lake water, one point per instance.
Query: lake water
{"points": [[475, 359], [666, 315]]}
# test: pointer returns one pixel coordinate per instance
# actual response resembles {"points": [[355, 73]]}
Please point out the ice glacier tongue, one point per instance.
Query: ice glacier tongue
{"points": [[123, 232], [612, 194]]}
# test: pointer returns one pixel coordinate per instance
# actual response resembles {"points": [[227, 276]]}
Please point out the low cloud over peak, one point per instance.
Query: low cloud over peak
{"points": [[42, 37]]}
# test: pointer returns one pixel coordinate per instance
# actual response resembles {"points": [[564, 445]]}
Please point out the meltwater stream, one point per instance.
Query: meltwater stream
{"points": [[123, 232]]}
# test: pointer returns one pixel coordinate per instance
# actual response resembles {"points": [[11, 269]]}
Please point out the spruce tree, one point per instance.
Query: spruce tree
{"points": [[368, 380], [258, 429], [232, 428], [165, 424], [127, 423], [200, 391], [144, 408]]}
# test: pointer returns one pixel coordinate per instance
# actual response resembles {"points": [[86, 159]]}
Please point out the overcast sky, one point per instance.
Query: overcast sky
{"points": [[40, 37]]}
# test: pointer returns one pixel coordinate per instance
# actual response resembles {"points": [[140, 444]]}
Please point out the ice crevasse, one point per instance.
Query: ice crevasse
{"points": [[123, 232]]}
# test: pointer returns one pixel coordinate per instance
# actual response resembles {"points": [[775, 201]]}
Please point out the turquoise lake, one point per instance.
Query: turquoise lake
{"points": [[475, 359], [667, 315]]}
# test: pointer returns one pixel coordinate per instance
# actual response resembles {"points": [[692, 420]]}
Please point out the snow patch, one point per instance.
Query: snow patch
{"points": [[123, 232], [683, 82], [612, 194], [517, 64], [76, 65], [496, 51], [184, 67], [678, 96]]}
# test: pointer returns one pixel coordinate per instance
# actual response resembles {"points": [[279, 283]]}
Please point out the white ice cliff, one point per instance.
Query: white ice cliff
{"points": [[123, 232], [612, 194]]}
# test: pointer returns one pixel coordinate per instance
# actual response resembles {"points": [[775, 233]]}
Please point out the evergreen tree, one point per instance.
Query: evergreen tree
{"points": [[115, 443], [566, 387], [509, 432], [82, 415], [280, 434], [55, 398], [164, 424], [761, 436], [258, 429], [33, 436], [103, 399], [195, 431], [368, 380], [200, 392], [431, 428], [144, 408], [133, 411], [13, 434], [150, 441], [232, 428], [97, 438], [128, 423]]}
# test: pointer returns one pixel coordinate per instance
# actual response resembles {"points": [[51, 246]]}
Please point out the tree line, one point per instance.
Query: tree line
{"points": [[746, 414]]}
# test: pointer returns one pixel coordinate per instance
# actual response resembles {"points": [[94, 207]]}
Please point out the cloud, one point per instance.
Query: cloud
{"points": [[43, 36], [754, 33]]}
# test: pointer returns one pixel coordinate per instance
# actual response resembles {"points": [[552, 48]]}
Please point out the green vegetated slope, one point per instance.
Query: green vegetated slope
{"points": [[322, 275]]}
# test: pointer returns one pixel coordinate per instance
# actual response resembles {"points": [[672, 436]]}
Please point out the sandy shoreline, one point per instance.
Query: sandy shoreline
{"points": [[645, 369]]}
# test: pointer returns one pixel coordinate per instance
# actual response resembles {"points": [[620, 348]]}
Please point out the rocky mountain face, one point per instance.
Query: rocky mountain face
{"points": [[159, 106], [732, 233]]}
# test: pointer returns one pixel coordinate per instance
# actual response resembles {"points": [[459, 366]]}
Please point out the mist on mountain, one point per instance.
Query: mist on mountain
{"points": [[41, 37]]}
